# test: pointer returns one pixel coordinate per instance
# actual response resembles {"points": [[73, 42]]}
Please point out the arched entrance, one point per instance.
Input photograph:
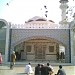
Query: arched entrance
{"points": [[40, 49], [4, 32], [2, 37]]}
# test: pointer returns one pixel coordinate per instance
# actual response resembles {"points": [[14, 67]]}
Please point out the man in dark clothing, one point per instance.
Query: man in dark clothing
{"points": [[37, 70], [61, 71], [49, 70], [43, 70]]}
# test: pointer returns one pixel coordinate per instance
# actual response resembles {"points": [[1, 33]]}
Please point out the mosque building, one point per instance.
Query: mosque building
{"points": [[39, 39]]}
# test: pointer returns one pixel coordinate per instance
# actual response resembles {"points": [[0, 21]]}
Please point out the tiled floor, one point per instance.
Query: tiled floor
{"points": [[20, 70], [69, 70]]}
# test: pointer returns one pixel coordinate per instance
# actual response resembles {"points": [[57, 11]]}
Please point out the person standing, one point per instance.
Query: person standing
{"points": [[0, 58], [43, 69], [38, 70], [61, 71], [28, 69], [13, 59], [49, 69]]}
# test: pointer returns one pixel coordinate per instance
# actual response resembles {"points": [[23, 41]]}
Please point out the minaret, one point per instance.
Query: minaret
{"points": [[63, 8]]}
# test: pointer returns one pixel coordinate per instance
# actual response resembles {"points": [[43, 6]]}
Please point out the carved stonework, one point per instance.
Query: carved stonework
{"points": [[39, 51]]}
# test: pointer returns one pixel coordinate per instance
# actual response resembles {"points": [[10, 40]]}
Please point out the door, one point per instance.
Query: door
{"points": [[39, 51]]}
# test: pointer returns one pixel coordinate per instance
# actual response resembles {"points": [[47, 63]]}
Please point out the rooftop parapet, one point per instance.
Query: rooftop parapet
{"points": [[35, 26], [39, 26]]}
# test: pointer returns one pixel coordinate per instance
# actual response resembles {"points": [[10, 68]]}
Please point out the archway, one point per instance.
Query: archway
{"points": [[4, 32], [43, 48], [2, 36]]}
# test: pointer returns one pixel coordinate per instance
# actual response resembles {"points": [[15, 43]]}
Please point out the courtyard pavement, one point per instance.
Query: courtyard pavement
{"points": [[20, 69]]}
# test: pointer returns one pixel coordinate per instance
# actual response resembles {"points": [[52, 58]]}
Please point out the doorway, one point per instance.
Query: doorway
{"points": [[39, 51]]}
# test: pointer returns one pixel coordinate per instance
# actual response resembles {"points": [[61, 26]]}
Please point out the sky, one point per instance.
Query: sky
{"points": [[19, 11]]}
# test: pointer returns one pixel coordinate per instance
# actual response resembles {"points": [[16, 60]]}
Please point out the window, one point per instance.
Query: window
{"points": [[28, 48], [51, 48]]}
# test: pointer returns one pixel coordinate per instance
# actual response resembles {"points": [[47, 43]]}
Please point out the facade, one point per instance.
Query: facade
{"points": [[39, 39], [41, 44]]}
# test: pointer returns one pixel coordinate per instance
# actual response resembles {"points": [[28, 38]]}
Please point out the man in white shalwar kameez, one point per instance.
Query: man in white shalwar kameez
{"points": [[28, 69]]}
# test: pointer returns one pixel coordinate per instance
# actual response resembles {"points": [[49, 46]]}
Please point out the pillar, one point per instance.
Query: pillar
{"points": [[7, 43], [72, 35], [73, 40]]}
